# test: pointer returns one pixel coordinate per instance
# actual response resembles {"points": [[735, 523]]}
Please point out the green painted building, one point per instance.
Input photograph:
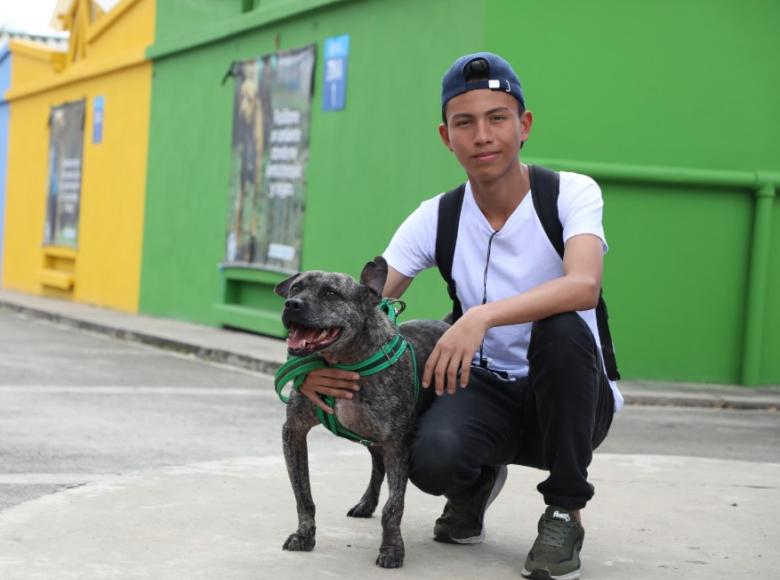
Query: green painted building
{"points": [[670, 105]]}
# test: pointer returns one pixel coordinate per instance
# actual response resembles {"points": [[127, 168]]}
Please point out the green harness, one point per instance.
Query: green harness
{"points": [[298, 367]]}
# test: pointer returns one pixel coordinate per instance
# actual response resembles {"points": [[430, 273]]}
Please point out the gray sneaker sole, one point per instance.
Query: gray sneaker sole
{"points": [[497, 487], [466, 541], [545, 575]]}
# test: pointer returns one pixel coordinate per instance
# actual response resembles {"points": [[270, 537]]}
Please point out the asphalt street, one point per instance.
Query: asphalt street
{"points": [[76, 407]]}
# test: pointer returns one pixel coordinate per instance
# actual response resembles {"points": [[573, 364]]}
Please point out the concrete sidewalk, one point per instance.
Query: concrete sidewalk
{"points": [[265, 354], [699, 519]]}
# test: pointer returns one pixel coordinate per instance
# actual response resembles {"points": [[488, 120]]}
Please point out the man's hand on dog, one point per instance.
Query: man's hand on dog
{"points": [[451, 358], [330, 382]]}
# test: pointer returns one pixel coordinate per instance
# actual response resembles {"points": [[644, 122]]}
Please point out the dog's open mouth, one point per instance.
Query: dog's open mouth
{"points": [[305, 340]]}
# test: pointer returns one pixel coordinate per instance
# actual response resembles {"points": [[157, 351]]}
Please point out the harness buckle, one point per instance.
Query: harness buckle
{"points": [[366, 443]]}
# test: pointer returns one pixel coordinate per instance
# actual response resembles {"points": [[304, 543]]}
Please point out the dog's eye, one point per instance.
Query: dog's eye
{"points": [[295, 288], [329, 293]]}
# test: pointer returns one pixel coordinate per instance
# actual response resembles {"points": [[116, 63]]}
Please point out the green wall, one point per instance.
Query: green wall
{"points": [[673, 83], [670, 82], [370, 165], [677, 84]]}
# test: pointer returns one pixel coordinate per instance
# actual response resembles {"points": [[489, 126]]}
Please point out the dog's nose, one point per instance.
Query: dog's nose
{"points": [[294, 304]]}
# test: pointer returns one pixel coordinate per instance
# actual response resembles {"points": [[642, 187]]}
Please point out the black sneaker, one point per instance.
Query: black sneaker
{"points": [[463, 522], [555, 554]]}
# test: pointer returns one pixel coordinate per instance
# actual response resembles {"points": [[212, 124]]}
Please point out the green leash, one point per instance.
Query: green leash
{"points": [[298, 367]]}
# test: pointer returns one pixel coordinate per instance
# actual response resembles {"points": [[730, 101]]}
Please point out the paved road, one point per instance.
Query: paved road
{"points": [[76, 407]]}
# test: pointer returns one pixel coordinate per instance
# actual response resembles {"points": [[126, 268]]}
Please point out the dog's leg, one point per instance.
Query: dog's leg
{"points": [[367, 504], [391, 552], [300, 419]]}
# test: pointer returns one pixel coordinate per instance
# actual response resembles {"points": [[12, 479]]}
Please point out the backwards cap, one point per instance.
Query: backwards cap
{"points": [[500, 77]]}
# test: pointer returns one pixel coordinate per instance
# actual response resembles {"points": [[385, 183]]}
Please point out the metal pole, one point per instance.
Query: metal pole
{"points": [[664, 175], [757, 280]]}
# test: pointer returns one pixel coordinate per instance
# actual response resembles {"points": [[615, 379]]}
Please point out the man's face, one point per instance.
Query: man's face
{"points": [[485, 130]]}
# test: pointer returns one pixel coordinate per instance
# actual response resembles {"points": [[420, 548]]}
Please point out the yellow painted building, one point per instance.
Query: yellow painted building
{"points": [[74, 224]]}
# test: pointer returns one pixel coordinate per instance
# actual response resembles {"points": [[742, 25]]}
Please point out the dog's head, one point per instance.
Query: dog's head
{"points": [[324, 312]]}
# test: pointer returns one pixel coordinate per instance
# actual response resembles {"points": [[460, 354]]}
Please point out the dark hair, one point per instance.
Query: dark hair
{"points": [[476, 70]]}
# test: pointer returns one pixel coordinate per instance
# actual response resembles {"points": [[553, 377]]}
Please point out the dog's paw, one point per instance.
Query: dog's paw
{"points": [[390, 557], [362, 510], [299, 542]]}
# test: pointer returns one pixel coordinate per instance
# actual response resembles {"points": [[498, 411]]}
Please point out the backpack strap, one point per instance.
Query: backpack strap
{"points": [[450, 205], [545, 188], [607, 348]]}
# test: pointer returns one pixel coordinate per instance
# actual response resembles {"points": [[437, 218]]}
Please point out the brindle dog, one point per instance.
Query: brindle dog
{"points": [[334, 316]]}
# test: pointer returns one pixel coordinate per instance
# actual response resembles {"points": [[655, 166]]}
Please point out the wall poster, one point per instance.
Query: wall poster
{"points": [[66, 145], [270, 150]]}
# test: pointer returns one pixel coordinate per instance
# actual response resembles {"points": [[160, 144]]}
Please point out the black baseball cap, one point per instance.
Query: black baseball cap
{"points": [[500, 77]]}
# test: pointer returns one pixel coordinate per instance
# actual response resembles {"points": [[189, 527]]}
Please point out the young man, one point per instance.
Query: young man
{"points": [[526, 352]]}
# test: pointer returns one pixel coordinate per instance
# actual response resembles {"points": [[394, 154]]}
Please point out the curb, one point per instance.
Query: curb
{"points": [[179, 346], [709, 402]]}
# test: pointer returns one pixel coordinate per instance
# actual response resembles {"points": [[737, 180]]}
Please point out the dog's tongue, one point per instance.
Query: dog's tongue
{"points": [[300, 336]]}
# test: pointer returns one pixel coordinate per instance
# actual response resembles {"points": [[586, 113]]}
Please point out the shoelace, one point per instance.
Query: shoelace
{"points": [[553, 533]]}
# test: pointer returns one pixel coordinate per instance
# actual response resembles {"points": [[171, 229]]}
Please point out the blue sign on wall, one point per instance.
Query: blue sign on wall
{"points": [[334, 91], [98, 109]]}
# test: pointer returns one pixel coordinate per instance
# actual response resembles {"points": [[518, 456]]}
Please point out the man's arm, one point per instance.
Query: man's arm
{"points": [[396, 283], [577, 289]]}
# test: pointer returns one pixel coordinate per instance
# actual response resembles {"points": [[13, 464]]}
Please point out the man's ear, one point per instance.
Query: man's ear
{"points": [[283, 288], [374, 275], [526, 120], [445, 136]]}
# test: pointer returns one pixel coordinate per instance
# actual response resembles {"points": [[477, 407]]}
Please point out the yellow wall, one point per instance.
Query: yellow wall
{"points": [[128, 25], [32, 62], [106, 265], [28, 138]]}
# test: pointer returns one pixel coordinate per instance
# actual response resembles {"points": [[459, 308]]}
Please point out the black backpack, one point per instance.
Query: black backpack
{"points": [[545, 187]]}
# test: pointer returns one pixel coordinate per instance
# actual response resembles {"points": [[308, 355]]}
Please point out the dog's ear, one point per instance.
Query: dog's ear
{"points": [[374, 275], [283, 288]]}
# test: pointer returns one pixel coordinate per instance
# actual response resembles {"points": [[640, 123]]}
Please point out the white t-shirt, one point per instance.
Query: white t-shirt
{"points": [[521, 257]]}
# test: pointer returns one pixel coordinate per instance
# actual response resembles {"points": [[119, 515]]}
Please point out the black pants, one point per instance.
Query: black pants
{"points": [[552, 420]]}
